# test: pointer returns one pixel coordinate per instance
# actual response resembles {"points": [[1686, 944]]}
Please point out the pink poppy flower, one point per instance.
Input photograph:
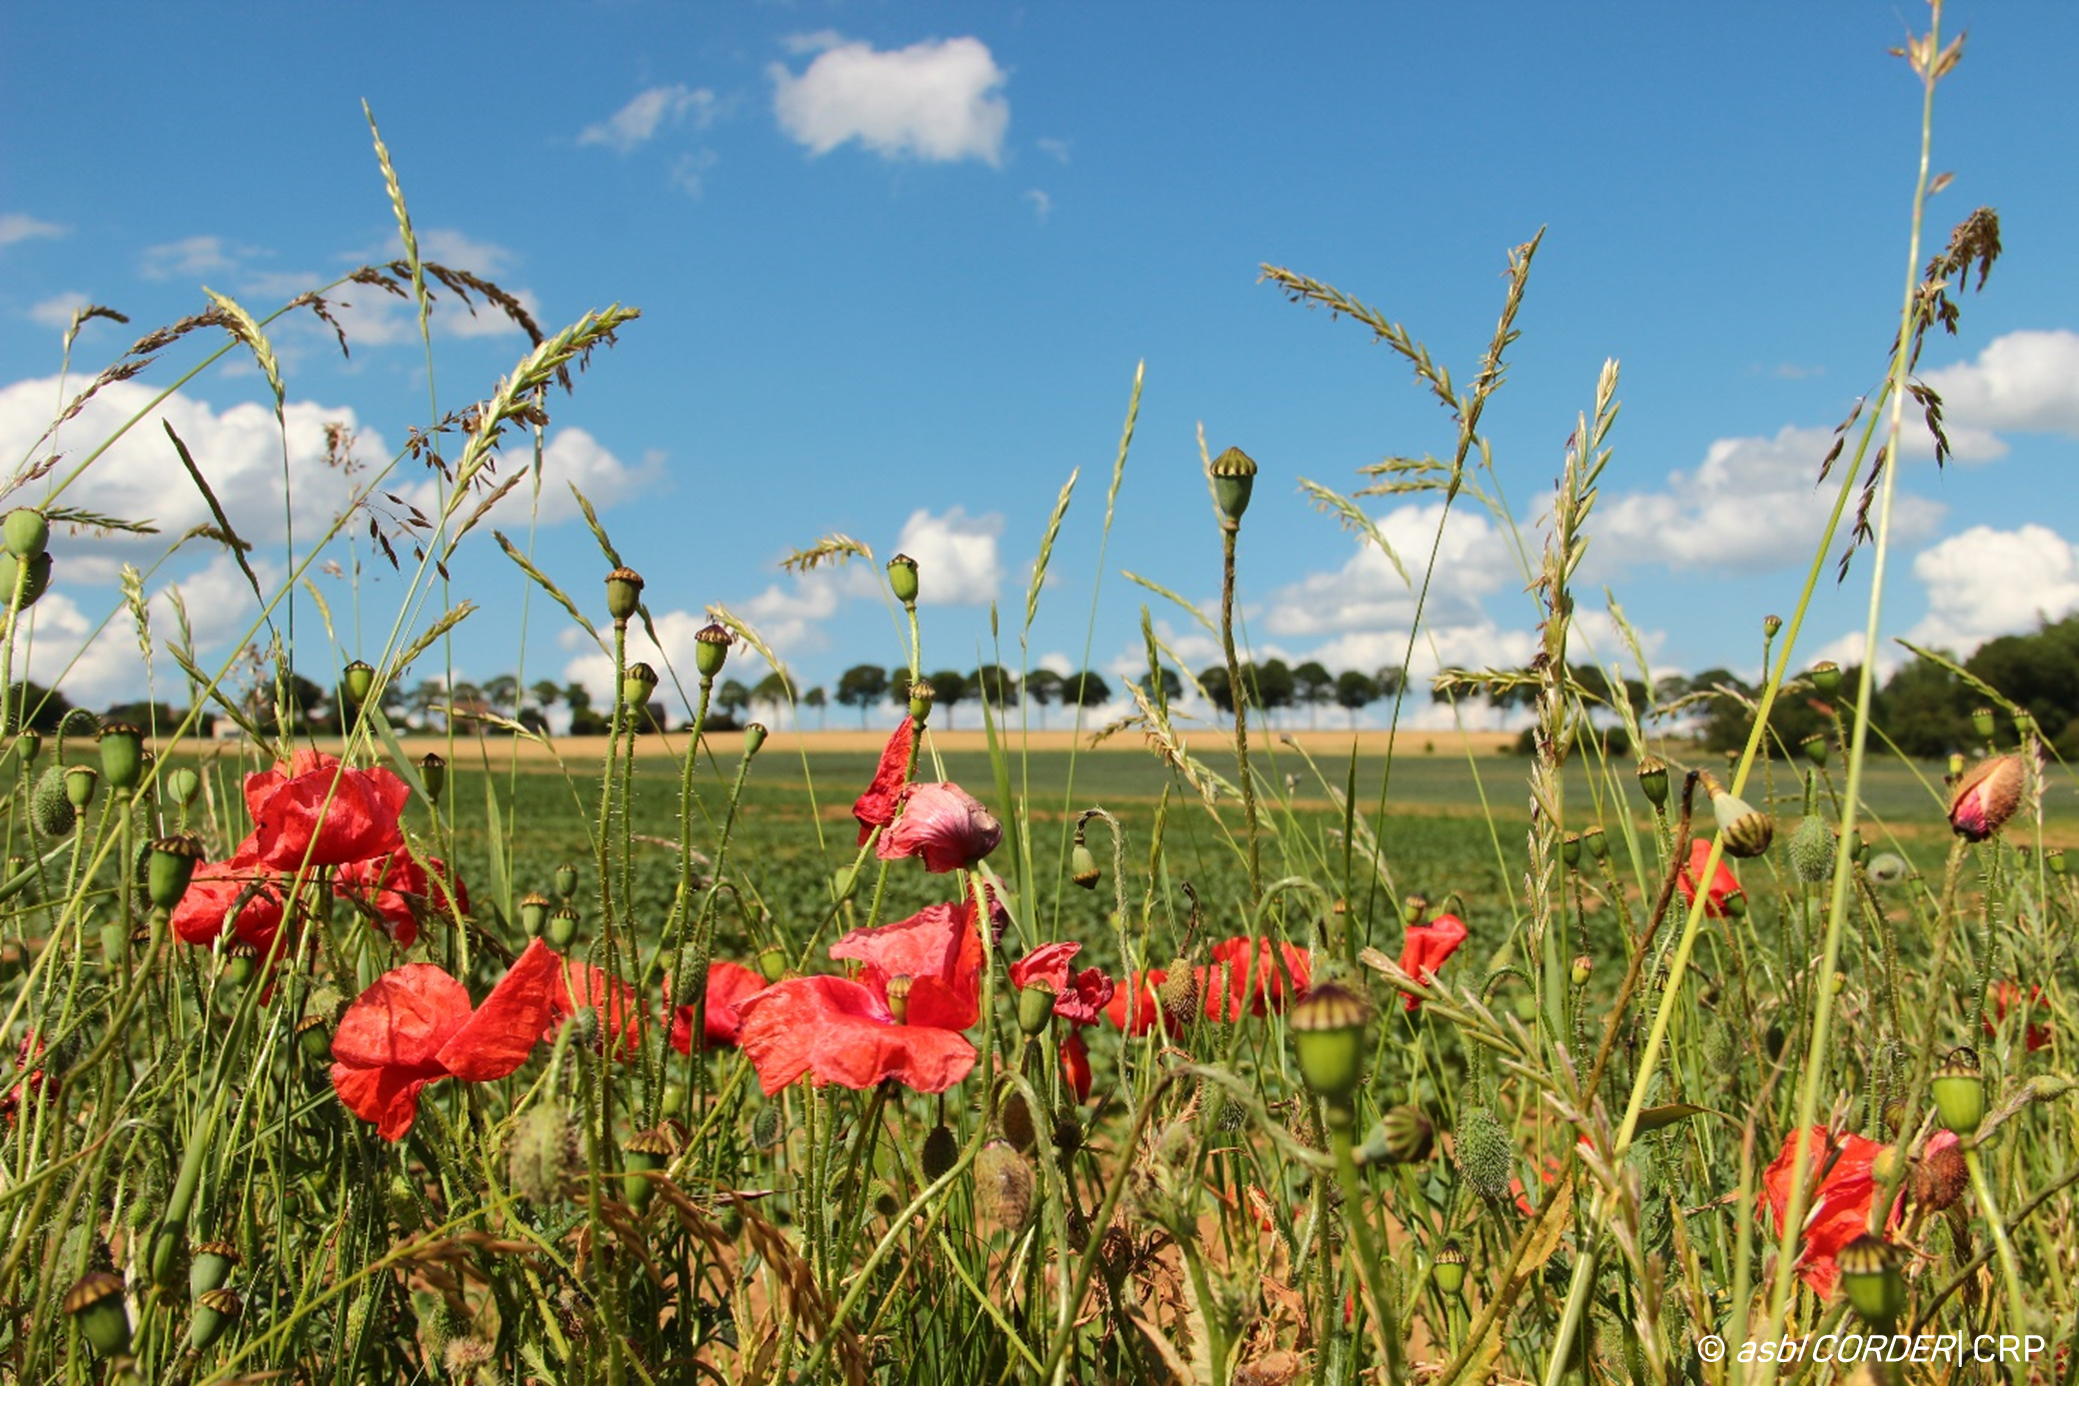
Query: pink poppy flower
{"points": [[943, 824], [938, 950], [841, 1031]]}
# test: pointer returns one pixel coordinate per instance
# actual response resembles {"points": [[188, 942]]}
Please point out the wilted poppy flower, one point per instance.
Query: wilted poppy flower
{"points": [[1141, 994], [842, 1031], [1079, 997], [399, 892], [413, 1026], [1725, 887], [1839, 1202], [1986, 797], [1075, 1065], [938, 950], [728, 985], [943, 824], [1245, 969], [876, 807], [1425, 948], [310, 809], [2005, 995], [248, 894]]}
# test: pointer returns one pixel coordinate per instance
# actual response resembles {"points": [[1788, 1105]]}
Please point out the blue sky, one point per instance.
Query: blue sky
{"points": [[897, 264]]}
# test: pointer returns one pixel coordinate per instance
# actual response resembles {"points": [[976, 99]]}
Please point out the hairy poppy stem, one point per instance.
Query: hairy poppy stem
{"points": [[1238, 693]]}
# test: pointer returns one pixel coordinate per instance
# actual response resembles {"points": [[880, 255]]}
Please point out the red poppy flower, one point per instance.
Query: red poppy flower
{"points": [[1724, 885], [1244, 968], [1840, 1210], [1078, 997], [943, 824], [2005, 995], [310, 809], [38, 1085], [1145, 1002], [1425, 949], [413, 1026], [728, 985], [242, 891], [617, 1002], [938, 950], [1075, 1065], [840, 1030], [398, 891], [876, 807]]}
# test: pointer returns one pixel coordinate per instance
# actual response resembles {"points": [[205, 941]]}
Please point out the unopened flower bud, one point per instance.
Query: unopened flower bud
{"points": [[168, 868], [623, 594], [1959, 1089], [1982, 721], [27, 533], [941, 1151], [1082, 866], [902, 578], [1653, 780], [711, 648], [1328, 1035], [1986, 797], [638, 684], [921, 697], [122, 755], [433, 774], [534, 914], [1002, 1186], [1234, 477], [563, 928]]}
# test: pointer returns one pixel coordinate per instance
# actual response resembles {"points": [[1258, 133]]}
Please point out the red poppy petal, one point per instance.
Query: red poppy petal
{"points": [[928, 943], [387, 1097], [496, 1039], [1075, 1066], [876, 807], [943, 824], [1047, 961], [403, 1019], [728, 985]]}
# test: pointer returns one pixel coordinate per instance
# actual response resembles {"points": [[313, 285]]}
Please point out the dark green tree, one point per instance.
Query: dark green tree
{"points": [[1354, 691], [1315, 687], [862, 686]]}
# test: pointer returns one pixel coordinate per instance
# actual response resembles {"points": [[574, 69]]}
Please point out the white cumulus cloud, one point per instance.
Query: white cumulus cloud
{"points": [[14, 228], [57, 311], [2025, 381], [958, 560], [1367, 593], [196, 256], [936, 101], [647, 112], [1983, 582]]}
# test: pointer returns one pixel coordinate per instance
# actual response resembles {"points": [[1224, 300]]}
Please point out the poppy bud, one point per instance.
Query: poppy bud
{"points": [[638, 683], [1825, 677], [114, 939], [1328, 1035], [566, 880], [1597, 842], [1409, 1135], [645, 1153], [1986, 797], [711, 648], [32, 577], [80, 783], [27, 746], [1812, 849], [921, 696], [1015, 1120], [623, 594], [27, 533], [1814, 747], [1653, 780], [1747, 830], [1770, 625], [941, 1152], [1448, 1268], [1082, 866], [1234, 477], [122, 755], [563, 928], [1982, 721], [1959, 1090], [433, 774], [215, 1312], [754, 738], [314, 1038], [104, 1317], [1570, 850], [772, 963], [897, 993], [534, 914], [239, 966], [211, 1267], [1876, 1287], [1035, 1006], [1584, 966], [902, 578], [1179, 993], [1486, 1155], [182, 785], [168, 868], [1002, 1185]]}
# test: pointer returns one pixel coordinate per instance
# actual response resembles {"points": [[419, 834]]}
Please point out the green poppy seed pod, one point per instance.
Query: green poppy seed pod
{"points": [[27, 746], [897, 992], [314, 1038], [1956, 765], [27, 533], [1812, 849], [1747, 830], [1825, 677], [772, 963], [1771, 624], [104, 1317], [1082, 866], [2056, 858], [754, 738], [922, 696], [623, 594], [941, 1152], [902, 578], [80, 783], [711, 648], [1570, 850], [1002, 1185], [1653, 780], [215, 1312], [1876, 1287], [1814, 747], [1982, 721], [1584, 966], [239, 965], [356, 683], [169, 867], [1735, 904], [1035, 1006], [1448, 1268], [1486, 1155], [1234, 478], [211, 1267], [638, 684], [566, 880], [647, 1152], [1597, 842], [114, 941], [1959, 1088], [563, 928], [1415, 909], [182, 785], [122, 755], [433, 774], [1409, 1135], [534, 914], [31, 576], [1328, 1036]]}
